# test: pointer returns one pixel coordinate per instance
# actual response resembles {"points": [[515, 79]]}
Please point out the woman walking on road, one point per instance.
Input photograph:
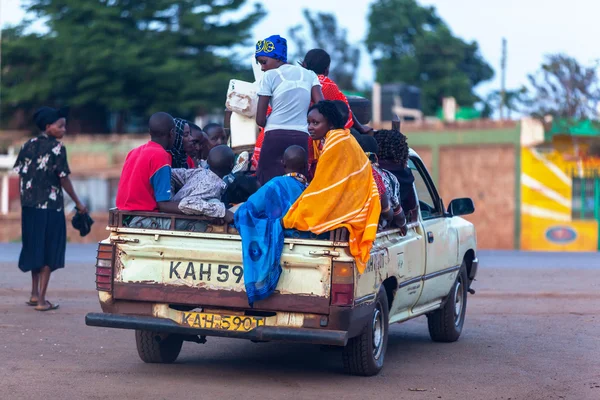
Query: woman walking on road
{"points": [[44, 172]]}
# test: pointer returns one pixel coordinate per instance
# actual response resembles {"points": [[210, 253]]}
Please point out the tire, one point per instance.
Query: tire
{"points": [[446, 324], [364, 354], [361, 108], [156, 348]]}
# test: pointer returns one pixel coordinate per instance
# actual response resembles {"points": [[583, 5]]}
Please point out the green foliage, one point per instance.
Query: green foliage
{"points": [[563, 88], [126, 56], [413, 45], [514, 101], [325, 33]]}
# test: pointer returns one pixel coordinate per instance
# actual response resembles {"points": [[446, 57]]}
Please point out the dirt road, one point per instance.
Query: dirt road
{"points": [[532, 332]]}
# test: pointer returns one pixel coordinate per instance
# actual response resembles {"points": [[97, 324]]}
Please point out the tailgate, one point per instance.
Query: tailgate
{"points": [[207, 270]]}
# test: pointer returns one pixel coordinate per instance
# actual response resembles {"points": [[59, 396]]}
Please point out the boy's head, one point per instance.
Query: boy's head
{"points": [[198, 140], [162, 129], [295, 159], [216, 135], [220, 160]]}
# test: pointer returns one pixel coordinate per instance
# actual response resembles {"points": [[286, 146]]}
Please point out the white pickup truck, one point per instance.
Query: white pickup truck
{"points": [[172, 286]]}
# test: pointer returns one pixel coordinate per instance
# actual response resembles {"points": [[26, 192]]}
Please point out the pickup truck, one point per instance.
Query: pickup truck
{"points": [[172, 286]]}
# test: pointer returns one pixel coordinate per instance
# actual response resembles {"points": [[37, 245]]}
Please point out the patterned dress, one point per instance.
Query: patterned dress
{"points": [[41, 164]]}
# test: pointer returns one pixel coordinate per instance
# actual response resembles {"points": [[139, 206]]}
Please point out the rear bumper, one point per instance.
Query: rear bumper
{"points": [[262, 333]]}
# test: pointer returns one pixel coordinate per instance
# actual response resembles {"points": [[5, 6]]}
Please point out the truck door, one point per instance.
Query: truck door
{"points": [[441, 240], [406, 262]]}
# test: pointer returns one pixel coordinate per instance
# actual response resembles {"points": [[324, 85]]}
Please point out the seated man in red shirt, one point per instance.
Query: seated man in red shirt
{"points": [[145, 183]]}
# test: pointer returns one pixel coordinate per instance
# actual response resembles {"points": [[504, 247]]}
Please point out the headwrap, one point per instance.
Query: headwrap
{"points": [[274, 47], [179, 156], [47, 116]]}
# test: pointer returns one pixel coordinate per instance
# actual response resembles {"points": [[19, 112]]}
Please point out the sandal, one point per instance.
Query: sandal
{"points": [[31, 303], [49, 307]]}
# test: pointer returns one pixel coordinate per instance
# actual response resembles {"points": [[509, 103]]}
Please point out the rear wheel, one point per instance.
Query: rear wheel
{"points": [[446, 324], [158, 348], [364, 354]]}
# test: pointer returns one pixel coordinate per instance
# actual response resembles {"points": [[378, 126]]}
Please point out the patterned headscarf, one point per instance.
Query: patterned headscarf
{"points": [[274, 47], [179, 156]]}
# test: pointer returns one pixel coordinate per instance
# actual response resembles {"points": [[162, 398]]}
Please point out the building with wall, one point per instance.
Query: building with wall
{"points": [[532, 190], [560, 191]]}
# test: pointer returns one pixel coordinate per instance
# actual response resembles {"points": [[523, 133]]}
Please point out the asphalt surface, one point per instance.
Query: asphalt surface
{"points": [[532, 332]]}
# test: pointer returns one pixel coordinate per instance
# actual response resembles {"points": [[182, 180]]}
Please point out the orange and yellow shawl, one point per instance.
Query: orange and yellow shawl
{"points": [[342, 194]]}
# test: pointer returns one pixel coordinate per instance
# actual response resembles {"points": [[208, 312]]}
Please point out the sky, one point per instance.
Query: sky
{"points": [[533, 28]]}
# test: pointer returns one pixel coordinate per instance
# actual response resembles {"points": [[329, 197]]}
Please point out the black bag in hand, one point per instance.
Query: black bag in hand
{"points": [[82, 222]]}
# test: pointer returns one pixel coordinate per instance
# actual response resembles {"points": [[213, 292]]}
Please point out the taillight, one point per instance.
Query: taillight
{"points": [[342, 284], [104, 263]]}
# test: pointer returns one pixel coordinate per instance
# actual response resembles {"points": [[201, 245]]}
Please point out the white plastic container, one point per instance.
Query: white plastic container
{"points": [[243, 131], [242, 98]]}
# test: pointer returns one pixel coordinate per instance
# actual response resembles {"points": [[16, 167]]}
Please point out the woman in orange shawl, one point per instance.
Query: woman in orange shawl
{"points": [[342, 193]]}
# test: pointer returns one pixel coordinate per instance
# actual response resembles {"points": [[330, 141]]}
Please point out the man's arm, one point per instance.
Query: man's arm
{"points": [[386, 212], [171, 207], [363, 129], [161, 184]]}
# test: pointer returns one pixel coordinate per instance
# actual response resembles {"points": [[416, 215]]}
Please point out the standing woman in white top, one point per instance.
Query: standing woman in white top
{"points": [[288, 89]]}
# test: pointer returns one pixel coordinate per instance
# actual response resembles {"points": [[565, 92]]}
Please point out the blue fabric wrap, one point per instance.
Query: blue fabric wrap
{"points": [[259, 222], [274, 47]]}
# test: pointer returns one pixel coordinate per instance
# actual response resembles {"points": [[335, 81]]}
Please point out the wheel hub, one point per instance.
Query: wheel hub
{"points": [[458, 301], [377, 333]]}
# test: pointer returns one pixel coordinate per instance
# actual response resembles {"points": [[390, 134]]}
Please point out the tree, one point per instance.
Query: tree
{"points": [[413, 45], [126, 57], [563, 88], [513, 102], [327, 35]]}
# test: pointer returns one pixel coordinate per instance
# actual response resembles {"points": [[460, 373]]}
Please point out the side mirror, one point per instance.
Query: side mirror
{"points": [[462, 206]]}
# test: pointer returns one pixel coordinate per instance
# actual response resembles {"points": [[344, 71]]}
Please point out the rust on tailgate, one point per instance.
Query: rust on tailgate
{"points": [[157, 293]]}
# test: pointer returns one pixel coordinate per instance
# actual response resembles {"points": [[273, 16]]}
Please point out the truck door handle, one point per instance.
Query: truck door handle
{"points": [[121, 239], [324, 253], [429, 237]]}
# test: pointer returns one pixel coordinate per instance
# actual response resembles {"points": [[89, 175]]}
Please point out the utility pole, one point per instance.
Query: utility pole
{"points": [[503, 80]]}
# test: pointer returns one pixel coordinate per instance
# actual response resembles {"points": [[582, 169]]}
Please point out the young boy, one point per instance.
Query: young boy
{"points": [[215, 136], [199, 191], [193, 149], [259, 222]]}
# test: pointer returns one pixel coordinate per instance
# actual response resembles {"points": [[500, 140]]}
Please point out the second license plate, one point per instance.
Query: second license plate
{"points": [[224, 322]]}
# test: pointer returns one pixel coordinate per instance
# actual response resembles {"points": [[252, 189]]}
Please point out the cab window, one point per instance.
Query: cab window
{"points": [[428, 198]]}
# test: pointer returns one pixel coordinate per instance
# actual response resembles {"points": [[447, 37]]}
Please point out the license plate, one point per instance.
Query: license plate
{"points": [[197, 272], [224, 322]]}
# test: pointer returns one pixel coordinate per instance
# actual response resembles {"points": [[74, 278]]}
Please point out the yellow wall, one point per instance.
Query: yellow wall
{"points": [[546, 198], [535, 231]]}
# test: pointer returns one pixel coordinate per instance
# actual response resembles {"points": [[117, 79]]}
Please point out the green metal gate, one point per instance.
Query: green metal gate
{"points": [[586, 196]]}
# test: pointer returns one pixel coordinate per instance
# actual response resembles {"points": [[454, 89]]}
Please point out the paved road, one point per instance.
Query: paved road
{"points": [[532, 332]]}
